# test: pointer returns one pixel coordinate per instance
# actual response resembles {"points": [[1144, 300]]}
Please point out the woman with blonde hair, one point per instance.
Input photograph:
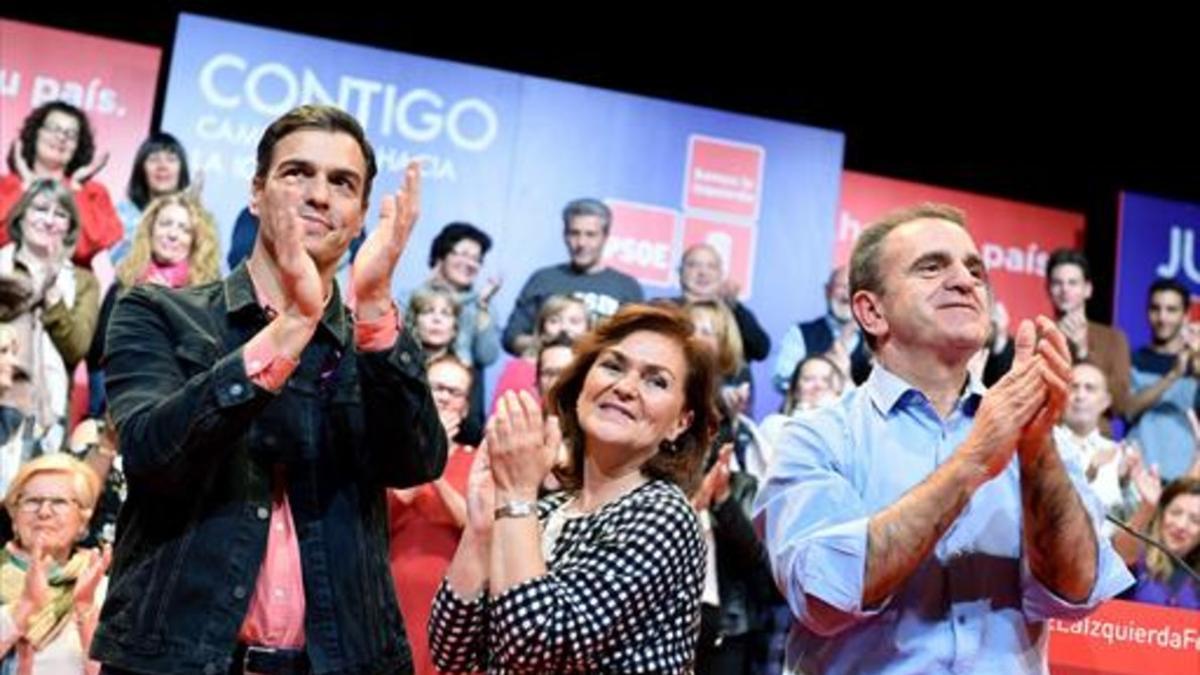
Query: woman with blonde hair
{"points": [[715, 322], [50, 591], [733, 618], [559, 315], [175, 245], [1170, 515], [433, 315]]}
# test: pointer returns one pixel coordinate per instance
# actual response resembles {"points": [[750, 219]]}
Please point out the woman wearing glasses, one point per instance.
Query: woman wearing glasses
{"points": [[51, 303], [456, 256], [426, 522], [56, 142], [50, 593]]}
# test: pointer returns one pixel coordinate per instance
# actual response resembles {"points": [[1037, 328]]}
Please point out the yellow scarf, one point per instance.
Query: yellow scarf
{"points": [[46, 623]]}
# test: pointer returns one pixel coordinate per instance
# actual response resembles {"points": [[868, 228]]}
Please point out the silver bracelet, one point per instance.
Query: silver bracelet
{"points": [[517, 508]]}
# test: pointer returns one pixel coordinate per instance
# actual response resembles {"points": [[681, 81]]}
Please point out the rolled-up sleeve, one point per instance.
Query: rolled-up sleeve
{"points": [[814, 525], [1039, 603]]}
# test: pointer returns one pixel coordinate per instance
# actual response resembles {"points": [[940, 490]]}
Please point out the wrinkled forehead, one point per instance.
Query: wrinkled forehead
{"points": [[650, 350], [923, 236]]}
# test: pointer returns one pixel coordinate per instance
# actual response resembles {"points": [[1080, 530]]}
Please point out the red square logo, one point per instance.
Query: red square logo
{"points": [[641, 242], [724, 177], [734, 243]]}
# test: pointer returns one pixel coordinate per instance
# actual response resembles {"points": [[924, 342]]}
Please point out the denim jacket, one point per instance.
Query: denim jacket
{"points": [[200, 442]]}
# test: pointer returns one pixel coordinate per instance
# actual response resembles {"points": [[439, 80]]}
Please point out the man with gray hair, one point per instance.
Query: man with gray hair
{"points": [[833, 333], [922, 524], [586, 223]]}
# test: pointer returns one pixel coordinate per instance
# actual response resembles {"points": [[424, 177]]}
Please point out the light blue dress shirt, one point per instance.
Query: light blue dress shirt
{"points": [[972, 607]]}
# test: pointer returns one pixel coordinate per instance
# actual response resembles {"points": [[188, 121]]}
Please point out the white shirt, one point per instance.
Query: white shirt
{"points": [[1107, 483]]}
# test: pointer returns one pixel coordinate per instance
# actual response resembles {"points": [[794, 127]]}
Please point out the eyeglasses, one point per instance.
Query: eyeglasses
{"points": [[66, 132], [446, 389], [58, 505]]}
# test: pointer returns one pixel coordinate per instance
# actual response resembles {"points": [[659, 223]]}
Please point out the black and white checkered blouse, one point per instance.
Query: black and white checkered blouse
{"points": [[621, 595]]}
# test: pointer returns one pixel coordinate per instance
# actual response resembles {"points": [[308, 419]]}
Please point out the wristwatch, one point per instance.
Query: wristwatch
{"points": [[516, 509]]}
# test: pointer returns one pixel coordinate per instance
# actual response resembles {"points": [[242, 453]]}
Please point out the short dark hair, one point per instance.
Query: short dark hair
{"points": [[453, 233], [138, 189], [1172, 285], [1068, 256], [85, 146], [323, 118]]}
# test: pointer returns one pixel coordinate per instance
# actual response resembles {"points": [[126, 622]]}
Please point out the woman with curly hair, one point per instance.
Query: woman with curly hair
{"points": [[56, 142], [175, 245]]}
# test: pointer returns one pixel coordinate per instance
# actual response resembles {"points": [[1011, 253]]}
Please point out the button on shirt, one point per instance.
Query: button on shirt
{"points": [[971, 606], [276, 614]]}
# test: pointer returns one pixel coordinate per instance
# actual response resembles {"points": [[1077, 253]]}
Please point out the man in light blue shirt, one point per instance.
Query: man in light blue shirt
{"points": [[921, 525], [1164, 383]]}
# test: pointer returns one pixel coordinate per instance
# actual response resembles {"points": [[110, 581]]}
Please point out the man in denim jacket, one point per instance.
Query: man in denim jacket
{"points": [[261, 422]]}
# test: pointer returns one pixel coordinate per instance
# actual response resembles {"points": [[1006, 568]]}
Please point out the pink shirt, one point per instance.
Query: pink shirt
{"points": [[276, 614]]}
